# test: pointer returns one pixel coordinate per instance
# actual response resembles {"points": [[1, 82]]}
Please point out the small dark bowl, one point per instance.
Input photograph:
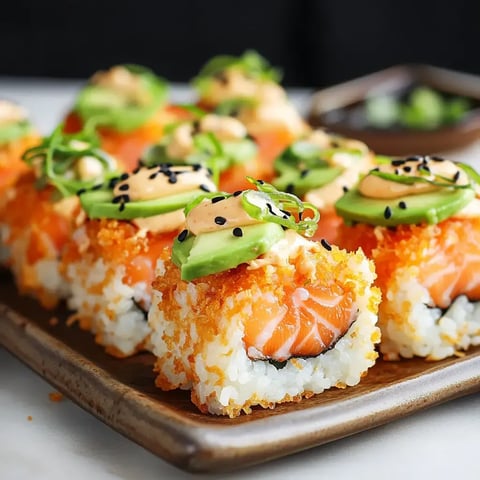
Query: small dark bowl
{"points": [[325, 103]]}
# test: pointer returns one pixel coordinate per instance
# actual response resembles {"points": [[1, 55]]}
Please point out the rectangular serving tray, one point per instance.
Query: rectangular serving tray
{"points": [[121, 393]]}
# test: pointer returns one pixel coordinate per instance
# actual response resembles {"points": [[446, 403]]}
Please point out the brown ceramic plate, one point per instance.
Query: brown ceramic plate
{"points": [[121, 394], [328, 108]]}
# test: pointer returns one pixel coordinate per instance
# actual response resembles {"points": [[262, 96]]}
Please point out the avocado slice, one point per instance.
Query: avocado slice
{"points": [[299, 183], [110, 109], [431, 207], [13, 131], [221, 250], [99, 204]]}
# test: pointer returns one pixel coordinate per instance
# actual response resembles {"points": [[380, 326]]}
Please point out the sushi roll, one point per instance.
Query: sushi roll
{"points": [[247, 87], [418, 218], [17, 134], [40, 210], [126, 104], [319, 168], [250, 313], [110, 260], [219, 142]]}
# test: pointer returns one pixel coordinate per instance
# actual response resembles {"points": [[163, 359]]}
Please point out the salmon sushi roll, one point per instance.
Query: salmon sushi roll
{"points": [[17, 134], [418, 218], [250, 313], [40, 211], [110, 259], [247, 87], [218, 142], [126, 104], [319, 168]]}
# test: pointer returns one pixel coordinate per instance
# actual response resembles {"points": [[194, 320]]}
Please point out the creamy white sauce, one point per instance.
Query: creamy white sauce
{"points": [[11, 113], [375, 187], [125, 83], [225, 128], [202, 218], [151, 183], [163, 223]]}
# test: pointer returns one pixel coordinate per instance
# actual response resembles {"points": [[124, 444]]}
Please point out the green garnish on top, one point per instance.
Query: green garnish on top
{"points": [[452, 189], [250, 63], [228, 244], [305, 166], [123, 98], [69, 162], [207, 149]]}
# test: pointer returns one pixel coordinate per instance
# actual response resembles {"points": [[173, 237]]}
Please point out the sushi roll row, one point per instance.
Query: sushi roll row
{"points": [[252, 255]]}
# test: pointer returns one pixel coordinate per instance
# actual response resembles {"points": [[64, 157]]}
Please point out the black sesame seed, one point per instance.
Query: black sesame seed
{"points": [[124, 176], [397, 163], [345, 189], [196, 167], [220, 220], [217, 199], [376, 169], [121, 208], [290, 188], [195, 127], [237, 193], [153, 176], [436, 158], [98, 186], [407, 169], [210, 171], [237, 232], [182, 235], [137, 169], [270, 209], [397, 171], [81, 191], [387, 213], [120, 199], [261, 182], [286, 212], [456, 176], [402, 205], [204, 187], [304, 173], [124, 187], [113, 181], [172, 178], [414, 158], [325, 244]]}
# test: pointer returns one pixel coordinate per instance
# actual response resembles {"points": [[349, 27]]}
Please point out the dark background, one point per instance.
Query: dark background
{"points": [[317, 43]]}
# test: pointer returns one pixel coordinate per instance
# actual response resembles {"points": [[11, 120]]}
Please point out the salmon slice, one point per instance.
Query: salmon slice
{"points": [[309, 321], [327, 227], [128, 147], [271, 144], [118, 243], [11, 164], [447, 255]]}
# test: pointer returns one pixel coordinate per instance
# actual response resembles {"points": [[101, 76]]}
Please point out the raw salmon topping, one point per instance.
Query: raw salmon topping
{"points": [[309, 320]]}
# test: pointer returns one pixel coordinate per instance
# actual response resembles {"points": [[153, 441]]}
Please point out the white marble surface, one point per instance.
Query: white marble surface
{"points": [[61, 441]]}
